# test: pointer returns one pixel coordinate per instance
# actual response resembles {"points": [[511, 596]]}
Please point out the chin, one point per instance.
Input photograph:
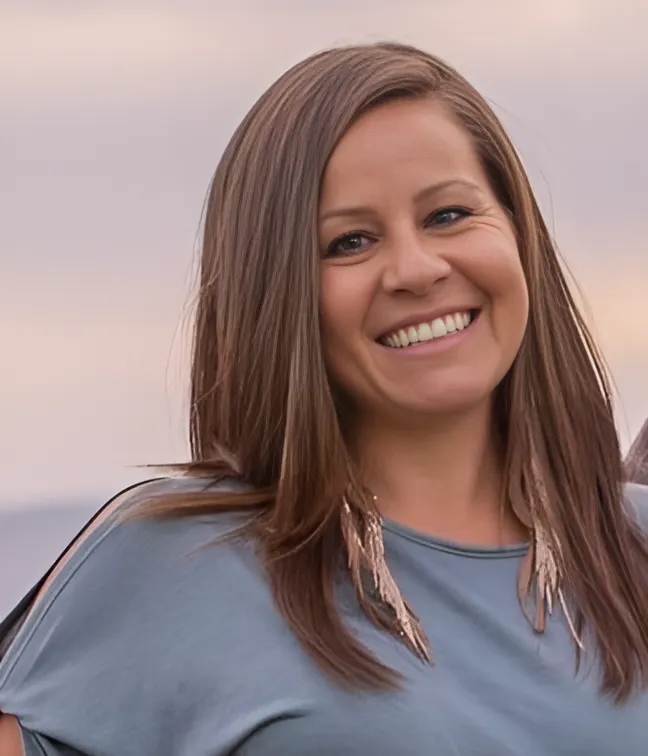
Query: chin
{"points": [[450, 399]]}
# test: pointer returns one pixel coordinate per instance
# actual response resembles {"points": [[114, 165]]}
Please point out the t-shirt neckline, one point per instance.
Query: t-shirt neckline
{"points": [[451, 547]]}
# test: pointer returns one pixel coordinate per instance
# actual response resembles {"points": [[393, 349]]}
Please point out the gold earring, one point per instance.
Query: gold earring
{"points": [[540, 572], [363, 536]]}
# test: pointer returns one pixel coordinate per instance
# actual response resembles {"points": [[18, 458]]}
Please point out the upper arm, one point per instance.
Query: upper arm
{"points": [[66, 678], [10, 740], [106, 661]]}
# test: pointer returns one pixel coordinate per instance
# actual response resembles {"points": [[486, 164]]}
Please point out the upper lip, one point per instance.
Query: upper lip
{"points": [[426, 317]]}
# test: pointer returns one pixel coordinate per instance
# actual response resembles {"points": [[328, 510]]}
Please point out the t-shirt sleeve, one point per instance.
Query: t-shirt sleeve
{"points": [[69, 673], [103, 664]]}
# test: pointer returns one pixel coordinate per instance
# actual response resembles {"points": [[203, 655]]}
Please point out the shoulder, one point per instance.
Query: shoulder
{"points": [[126, 544], [132, 615], [122, 521], [123, 550], [636, 496]]}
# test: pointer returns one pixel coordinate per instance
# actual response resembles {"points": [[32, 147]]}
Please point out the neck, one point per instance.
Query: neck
{"points": [[443, 478]]}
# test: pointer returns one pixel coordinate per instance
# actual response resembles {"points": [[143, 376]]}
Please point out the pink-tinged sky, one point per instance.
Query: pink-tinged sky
{"points": [[113, 119]]}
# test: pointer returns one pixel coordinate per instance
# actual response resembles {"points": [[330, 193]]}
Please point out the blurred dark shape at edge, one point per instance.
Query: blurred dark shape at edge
{"points": [[636, 461]]}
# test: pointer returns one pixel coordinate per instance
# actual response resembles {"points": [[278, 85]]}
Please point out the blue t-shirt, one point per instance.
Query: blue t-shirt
{"points": [[147, 643]]}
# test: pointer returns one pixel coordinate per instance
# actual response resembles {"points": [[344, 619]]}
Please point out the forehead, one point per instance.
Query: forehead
{"points": [[405, 141]]}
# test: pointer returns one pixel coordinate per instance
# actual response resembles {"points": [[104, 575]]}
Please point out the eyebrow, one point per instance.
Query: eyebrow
{"points": [[428, 191]]}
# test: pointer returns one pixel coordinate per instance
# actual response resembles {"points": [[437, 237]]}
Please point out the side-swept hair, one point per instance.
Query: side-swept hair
{"points": [[262, 408]]}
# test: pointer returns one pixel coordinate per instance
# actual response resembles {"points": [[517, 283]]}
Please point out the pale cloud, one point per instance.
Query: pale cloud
{"points": [[114, 116], [84, 403], [109, 49]]}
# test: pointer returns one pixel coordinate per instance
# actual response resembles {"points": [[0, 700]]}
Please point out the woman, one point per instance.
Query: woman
{"points": [[403, 444]]}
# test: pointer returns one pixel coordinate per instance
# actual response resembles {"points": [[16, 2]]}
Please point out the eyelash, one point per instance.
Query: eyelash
{"points": [[461, 211]]}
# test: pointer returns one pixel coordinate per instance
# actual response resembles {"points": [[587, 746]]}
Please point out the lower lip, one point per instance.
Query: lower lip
{"points": [[434, 346]]}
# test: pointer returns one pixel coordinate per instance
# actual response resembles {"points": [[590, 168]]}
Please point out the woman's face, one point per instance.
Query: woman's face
{"points": [[423, 299]]}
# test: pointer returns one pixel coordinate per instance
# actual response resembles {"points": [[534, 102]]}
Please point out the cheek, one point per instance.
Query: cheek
{"points": [[510, 304], [514, 291], [342, 310], [511, 311], [508, 286], [496, 269]]}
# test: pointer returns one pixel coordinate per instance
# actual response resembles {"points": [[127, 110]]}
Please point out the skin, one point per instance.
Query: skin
{"points": [[427, 236], [10, 740]]}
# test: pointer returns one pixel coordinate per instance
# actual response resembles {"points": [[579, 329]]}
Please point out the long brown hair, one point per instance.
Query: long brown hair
{"points": [[636, 462], [262, 408]]}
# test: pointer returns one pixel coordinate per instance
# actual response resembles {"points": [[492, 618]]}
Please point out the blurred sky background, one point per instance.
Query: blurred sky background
{"points": [[113, 116]]}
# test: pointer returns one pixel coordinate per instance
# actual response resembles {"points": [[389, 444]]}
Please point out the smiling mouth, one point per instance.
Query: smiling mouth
{"points": [[435, 329]]}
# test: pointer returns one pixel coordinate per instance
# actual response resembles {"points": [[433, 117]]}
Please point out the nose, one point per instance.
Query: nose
{"points": [[413, 263]]}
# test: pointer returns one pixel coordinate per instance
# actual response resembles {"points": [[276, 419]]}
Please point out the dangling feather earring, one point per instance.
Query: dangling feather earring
{"points": [[363, 536], [540, 573]]}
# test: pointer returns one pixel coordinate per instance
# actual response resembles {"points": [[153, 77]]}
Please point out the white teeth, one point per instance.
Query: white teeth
{"points": [[412, 335], [437, 329], [425, 332]]}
